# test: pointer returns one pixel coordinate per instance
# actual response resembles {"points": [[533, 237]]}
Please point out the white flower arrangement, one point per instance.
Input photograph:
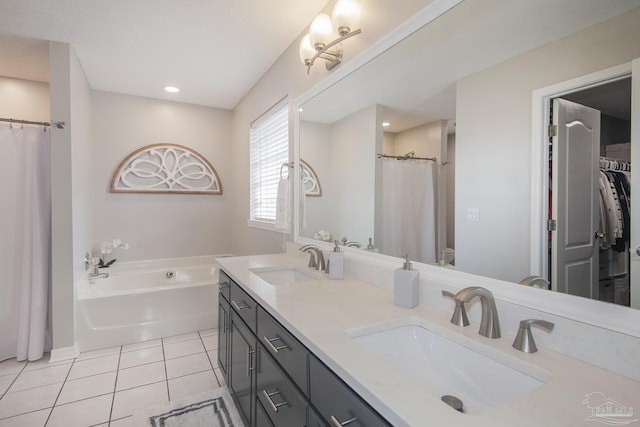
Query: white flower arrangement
{"points": [[323, 235], [107, 247]]}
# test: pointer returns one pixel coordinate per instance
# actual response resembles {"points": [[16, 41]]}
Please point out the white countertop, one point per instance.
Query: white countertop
{"points": [[318, 313]]}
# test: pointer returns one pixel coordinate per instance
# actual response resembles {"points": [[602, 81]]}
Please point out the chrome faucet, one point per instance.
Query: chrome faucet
{"points": [[524, 340], [353, 244], [311, 249], [489, 324]]}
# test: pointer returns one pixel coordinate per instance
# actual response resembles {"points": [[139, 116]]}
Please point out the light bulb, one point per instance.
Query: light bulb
{"points": [[346, 16], [320, 31], [306, 51]]}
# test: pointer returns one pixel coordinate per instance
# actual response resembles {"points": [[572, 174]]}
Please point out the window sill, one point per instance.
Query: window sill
{"points": [[267, 226]]}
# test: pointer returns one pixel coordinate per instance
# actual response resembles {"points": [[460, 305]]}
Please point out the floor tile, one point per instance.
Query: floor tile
{"points": [[213, 357], [30, 400], [98, 353], [186, 365], [192, 384], [210, 342], [208, 332], [40, 377], [178, 338], [95, 366], [140, 345], [219, 377], [87, 387], [127, 401], [82, 413], [183, 348], [44, 363], [141, 356], [5, 382], [32, 419], [122, 422], [11, 366], [140, 375]]}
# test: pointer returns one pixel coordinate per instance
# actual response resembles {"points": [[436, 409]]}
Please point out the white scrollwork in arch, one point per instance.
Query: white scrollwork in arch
{"points": [[310, 181], [165, 168]]}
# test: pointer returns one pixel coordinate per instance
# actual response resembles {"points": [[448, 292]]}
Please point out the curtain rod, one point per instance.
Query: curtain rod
{"points": [[409, 156], [59, 125]]}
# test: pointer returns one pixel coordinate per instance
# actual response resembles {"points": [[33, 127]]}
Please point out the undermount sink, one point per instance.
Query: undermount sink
{"points": [[284, 275], [444, 366]]}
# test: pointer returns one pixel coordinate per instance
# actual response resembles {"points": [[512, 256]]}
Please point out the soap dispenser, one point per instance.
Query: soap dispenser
{"points": [[336, 263], [406, 282]]}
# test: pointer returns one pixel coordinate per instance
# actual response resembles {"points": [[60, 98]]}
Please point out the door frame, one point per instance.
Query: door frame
{"points": [[540, 106]]}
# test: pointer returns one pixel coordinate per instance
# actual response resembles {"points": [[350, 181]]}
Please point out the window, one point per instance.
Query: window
{"points": [[268, 150]]}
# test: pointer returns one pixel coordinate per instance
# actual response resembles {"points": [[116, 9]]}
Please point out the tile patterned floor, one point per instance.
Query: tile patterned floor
{"points": [[104, 387]]}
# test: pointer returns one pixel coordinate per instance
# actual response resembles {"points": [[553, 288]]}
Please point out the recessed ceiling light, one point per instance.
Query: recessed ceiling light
{"points": [[171, 89], [385, 124]]}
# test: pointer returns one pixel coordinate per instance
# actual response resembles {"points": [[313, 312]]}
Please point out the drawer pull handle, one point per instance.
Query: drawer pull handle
{"points": [[275, 348], [222, 285], [336, 423], [274, 405], [225, 326], [241, 305], [250, 364]]}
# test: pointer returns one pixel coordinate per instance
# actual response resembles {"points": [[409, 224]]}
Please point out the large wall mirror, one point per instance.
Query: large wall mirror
{"points": [[463, 186]]}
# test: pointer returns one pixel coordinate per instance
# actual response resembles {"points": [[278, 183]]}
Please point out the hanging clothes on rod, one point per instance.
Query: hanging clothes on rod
{"points": [[614, 204], [610, 164]]}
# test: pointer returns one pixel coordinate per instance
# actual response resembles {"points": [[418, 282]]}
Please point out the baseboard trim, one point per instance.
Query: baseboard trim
{"points": [[65, 353]]}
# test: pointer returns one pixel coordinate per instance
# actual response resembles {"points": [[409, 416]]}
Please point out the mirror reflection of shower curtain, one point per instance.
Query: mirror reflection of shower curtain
{"points": [[25, 230], [408, 225]]}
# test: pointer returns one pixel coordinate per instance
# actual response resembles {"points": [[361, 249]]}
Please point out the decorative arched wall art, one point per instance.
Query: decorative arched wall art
{"points": [[310, 181], [167, 169]]}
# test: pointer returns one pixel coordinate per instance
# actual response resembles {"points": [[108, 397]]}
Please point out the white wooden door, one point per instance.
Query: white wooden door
{"points": [[635, 185], [576, 151]]}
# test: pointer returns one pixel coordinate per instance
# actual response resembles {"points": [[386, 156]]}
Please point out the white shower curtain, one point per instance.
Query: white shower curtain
{"points": [[408, 209], [25, 230]]}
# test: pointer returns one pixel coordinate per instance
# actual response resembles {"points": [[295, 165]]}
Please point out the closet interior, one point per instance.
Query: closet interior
{"points": [[613, 100]]}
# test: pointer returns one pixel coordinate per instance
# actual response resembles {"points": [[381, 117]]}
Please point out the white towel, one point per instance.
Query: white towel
{"points": [[283, 205]]}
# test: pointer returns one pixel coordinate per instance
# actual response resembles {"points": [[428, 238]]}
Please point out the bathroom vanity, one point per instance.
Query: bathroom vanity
{"points": [[299, 349], [274, 378]]}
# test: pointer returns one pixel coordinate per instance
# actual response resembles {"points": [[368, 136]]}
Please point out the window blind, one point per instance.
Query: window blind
{"points": [[268, 150]]}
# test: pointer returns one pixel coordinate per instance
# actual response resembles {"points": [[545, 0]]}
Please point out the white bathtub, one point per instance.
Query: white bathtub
{"points": [[137, 302]]}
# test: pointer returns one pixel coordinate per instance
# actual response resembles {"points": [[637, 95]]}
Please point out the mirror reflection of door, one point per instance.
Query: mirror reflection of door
{"points": [[590, 210]]}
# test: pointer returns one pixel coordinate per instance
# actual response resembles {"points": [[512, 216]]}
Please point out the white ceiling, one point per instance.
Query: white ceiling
{"points": [[213, 50]]}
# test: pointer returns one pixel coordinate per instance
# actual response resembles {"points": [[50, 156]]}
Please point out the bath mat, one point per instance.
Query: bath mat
{"points": [[213, 408]]}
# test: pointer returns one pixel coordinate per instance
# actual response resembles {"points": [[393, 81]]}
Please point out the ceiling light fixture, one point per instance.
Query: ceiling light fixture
{"points": [[171, 89], [321, 42]]}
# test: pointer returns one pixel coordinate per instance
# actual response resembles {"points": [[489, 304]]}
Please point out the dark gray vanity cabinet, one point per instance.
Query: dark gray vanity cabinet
{"points": [[224, 329], [278, 395], [224, 323], [242, 367], [274, 379], [336, 402]]}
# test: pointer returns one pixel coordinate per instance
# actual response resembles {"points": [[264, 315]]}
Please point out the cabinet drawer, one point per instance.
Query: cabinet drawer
{"points": [[262, 418], [284, 348], [280, 398], [336, 402], [224, 284], [244, 305]]}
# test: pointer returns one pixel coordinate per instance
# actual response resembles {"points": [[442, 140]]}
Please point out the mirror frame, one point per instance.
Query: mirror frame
{"points": [[609, 316]]}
